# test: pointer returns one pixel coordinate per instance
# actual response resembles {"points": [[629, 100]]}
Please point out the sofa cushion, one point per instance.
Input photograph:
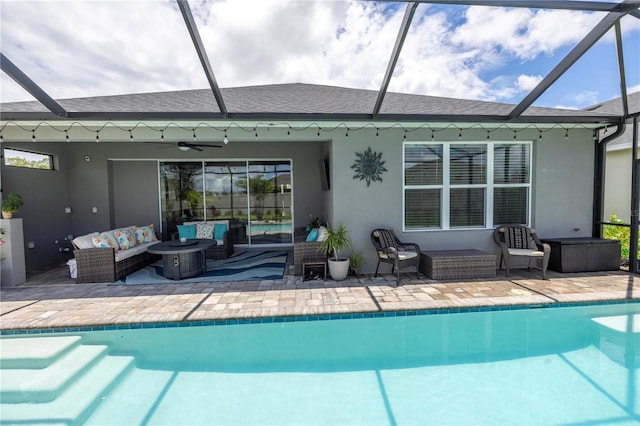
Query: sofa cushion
{"points": [[110, 234], [103, 241], [204, 230], [134, 251], [210, 226], [186, 231], [322, 234], [145, 234], [126, 239], [85, 241], [313, 235], [218, 230]]}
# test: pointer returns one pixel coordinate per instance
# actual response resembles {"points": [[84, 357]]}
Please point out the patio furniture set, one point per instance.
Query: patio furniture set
{"points": [[111, 255], [107, 256]]}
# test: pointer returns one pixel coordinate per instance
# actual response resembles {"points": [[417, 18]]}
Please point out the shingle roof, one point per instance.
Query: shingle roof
{"points": [[614, 106], [295, 98]]}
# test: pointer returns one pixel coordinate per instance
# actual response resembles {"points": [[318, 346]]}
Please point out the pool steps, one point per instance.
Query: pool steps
{"points": [[28, 353], [42, 385], [65, 398]]}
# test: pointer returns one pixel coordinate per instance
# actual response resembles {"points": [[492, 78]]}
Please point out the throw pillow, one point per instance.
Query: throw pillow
{"points": [[186, 231], [204, 230], [322, 234], [126, 239], [313, 235], [218, 231], [102, 241], [145, 234]]}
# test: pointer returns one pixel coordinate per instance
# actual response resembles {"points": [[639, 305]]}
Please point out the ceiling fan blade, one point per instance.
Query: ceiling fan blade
{"points": [[165, 144], [205, 145]]}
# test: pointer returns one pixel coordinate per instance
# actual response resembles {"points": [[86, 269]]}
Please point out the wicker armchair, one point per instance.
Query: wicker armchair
{"points": [[393, 251], [519, 241]]}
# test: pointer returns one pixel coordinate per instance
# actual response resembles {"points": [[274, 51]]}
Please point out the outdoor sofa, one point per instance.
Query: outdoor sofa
{"points": [[213, 229], [111, 255]]}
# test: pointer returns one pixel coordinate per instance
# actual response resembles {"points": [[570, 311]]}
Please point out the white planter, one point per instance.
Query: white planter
{"points": [[339, 269]]}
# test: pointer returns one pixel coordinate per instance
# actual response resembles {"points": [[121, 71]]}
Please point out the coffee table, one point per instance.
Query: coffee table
{"points": [[183, 259]]}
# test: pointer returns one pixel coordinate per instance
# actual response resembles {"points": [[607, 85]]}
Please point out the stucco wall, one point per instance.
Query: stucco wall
{"points": [[561, 199], [45, 194], [562, 191], [84, 179], [617, 197]]}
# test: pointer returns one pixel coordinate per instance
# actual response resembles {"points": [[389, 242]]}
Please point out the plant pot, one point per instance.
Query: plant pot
{"points": [[7, 215], [339, 269]]}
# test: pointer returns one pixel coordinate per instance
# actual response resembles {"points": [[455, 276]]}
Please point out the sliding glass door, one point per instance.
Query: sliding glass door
{"points": [[269, 189], [181, 195], [255, 196]]}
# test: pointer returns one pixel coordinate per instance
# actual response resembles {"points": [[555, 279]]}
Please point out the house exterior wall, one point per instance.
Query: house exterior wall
{"points": [[562, 194], [617, 196], [83, 184], [46, 194]]}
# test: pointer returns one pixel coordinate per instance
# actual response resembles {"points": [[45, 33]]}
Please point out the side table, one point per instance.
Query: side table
{"points": [[317, 265]]}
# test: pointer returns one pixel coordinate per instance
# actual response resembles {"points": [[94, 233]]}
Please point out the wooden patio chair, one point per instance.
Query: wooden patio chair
{"points": [[519, 241], [393, 251]]}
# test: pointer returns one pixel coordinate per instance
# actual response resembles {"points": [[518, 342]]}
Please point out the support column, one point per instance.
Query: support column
{"points": [[12, 265]]}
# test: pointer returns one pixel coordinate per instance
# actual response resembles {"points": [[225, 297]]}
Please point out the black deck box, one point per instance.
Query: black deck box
{"points": [[583, 254]]}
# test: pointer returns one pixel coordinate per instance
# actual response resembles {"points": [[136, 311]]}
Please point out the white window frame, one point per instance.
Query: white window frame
{"points": [[445, 187]]}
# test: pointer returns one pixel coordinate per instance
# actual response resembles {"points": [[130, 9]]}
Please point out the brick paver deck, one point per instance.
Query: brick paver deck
{"points": [[39, 306]]}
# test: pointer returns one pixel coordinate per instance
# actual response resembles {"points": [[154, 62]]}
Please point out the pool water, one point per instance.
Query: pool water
{"points": [[578, 365]]}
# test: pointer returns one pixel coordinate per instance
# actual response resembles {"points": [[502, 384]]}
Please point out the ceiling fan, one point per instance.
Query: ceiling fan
{"points": [[186, 146]]}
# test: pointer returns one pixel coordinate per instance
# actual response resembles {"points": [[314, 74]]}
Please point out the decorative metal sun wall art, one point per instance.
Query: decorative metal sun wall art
{"points": [[368, 166]]}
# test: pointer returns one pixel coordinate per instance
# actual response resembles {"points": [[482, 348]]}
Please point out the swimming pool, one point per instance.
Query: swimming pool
{"points": [[578, 365]]}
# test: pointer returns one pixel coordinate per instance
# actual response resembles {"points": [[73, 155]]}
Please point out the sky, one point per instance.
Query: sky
{"points": [[91, 48]]}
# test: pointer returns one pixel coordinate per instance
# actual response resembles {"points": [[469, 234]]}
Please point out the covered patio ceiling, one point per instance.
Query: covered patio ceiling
{"points": [[610, 15]]}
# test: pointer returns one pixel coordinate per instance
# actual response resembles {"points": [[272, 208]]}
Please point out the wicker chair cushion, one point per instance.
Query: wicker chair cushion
{"points": [[525, 252], [402, 255], [386, 238], [517, 238]]}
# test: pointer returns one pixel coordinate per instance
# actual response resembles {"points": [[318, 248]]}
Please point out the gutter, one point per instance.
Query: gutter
{"points": [[598, 179]]}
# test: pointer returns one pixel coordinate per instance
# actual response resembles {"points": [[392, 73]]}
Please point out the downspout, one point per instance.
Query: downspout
{"points": [[635, 188], [598, 182]]}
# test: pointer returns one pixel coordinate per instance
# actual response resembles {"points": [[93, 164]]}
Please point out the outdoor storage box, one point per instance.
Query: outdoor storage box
{"points": [[583, 254]]}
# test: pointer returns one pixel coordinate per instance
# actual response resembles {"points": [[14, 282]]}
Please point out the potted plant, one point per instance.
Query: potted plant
{"points": [[355, 262], [337, 240], [10, 205]]}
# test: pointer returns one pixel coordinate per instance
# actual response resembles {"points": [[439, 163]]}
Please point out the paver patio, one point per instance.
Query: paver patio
{"points": [[37, 305]]}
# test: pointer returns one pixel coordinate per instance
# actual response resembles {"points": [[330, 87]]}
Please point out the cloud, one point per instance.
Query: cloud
{"points": [[523, 33], [528, 82], [90, 48], [80, 48]]}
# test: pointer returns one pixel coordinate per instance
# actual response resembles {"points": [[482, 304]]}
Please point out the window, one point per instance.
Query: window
{"points": [[466, 185], [255, 196], [28, 159]]}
